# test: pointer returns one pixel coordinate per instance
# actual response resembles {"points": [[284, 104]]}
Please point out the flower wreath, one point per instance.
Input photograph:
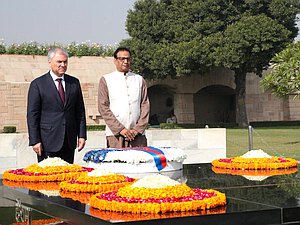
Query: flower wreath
{"points": [[35, 186], [117, 216], [35, 173], [42, 222], [240, 163], [179, 198], [99, 184], [255, 172], [81, 197]]}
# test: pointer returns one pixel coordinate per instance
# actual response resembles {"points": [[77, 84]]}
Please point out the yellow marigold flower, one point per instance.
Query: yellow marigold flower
{"points": [[34, 173], [111, 202], [240, 163], [85, 183], [180, 190]]}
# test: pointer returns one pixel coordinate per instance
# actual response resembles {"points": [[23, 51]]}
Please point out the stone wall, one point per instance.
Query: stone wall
{"points": [[17, 71], [264, 106], [13, 104], [260, 105]]}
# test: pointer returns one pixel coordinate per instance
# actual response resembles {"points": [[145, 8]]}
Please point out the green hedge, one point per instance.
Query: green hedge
{"points": [[210, 125], [275, 123], [231, 125], [73, 49], [9, 129], [95, 127], [172, 126], [193, 126]]}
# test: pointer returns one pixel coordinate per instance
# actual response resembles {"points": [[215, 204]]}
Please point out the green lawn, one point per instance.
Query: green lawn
{"points": [[276, 141]]}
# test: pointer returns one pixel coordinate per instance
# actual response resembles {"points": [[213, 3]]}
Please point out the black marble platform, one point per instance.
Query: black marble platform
{"points": [[250, 201]]}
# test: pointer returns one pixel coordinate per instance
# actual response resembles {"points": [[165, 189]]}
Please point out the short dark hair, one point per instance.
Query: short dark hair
{"points": [[119, 49]]}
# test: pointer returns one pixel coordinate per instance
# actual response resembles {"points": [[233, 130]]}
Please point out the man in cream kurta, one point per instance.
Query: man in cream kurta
{"points": [[123, 104]]}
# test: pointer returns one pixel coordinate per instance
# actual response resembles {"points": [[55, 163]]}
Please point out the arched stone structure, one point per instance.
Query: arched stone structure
{"points": [[214, 104], [187, 94], [162, 103]]}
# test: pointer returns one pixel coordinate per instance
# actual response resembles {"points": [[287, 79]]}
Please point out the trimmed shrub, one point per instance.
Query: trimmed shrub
{"points": [[73, 49], [274, 123], [193, 126], [95, 127], [9, 129], [2, 49]]}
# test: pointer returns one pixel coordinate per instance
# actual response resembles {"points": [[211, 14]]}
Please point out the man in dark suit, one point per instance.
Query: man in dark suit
{"points": [[55, 111]]}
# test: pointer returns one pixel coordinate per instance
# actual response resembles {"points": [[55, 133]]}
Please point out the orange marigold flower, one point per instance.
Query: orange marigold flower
{"points": [[34, 173], [39, 222], [181, 190], [198, 200], [240, 163], [93, 184]]}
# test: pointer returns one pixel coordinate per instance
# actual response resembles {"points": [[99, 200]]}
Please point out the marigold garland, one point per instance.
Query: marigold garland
{"points": [[198, 200], [94, 184], [240, 163], [81, 197], [117, 216], [35, 186], [42, 222], [34, 173], [181, 190], [255, 172]]}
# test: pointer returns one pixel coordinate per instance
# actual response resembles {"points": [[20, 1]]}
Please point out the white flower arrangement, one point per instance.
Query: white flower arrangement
{"points": [[256, 154], [154, 181], [99, 172], [55, 161], [137, 156]]}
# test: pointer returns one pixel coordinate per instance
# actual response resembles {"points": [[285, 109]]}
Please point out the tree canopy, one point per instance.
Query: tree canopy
{"points": [[182, 37], [284, 78]]}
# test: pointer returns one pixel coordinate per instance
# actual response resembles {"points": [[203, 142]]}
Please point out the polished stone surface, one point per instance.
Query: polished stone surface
{"points": [[251, 200]]}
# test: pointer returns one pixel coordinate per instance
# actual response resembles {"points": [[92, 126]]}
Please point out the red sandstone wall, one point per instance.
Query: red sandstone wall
{"points": [[17, 71]]}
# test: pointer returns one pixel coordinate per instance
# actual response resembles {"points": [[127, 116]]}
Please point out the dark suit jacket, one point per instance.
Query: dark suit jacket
{"points": [[48, 119]]}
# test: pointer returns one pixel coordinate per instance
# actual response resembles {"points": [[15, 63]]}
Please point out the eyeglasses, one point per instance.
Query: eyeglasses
{"points": [[124, 58]]}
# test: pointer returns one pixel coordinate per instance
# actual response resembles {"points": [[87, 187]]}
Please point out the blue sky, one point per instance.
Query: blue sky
{"points": [[64, 21]]}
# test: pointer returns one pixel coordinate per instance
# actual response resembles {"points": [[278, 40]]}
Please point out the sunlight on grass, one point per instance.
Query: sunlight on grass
{"points": [[276, 141]]}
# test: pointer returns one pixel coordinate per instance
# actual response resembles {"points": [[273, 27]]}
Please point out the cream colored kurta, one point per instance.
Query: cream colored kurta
{"points": [[123, 102]]}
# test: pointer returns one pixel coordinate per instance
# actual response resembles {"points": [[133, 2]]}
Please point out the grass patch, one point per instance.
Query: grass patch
{"points": [[277, 141]]}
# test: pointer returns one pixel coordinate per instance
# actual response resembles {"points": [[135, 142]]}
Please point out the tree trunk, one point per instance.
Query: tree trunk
{"points": [[241, 113]]}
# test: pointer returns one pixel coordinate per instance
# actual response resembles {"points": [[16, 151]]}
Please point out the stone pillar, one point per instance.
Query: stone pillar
{"points": [[286, 109], [184, 108]]}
